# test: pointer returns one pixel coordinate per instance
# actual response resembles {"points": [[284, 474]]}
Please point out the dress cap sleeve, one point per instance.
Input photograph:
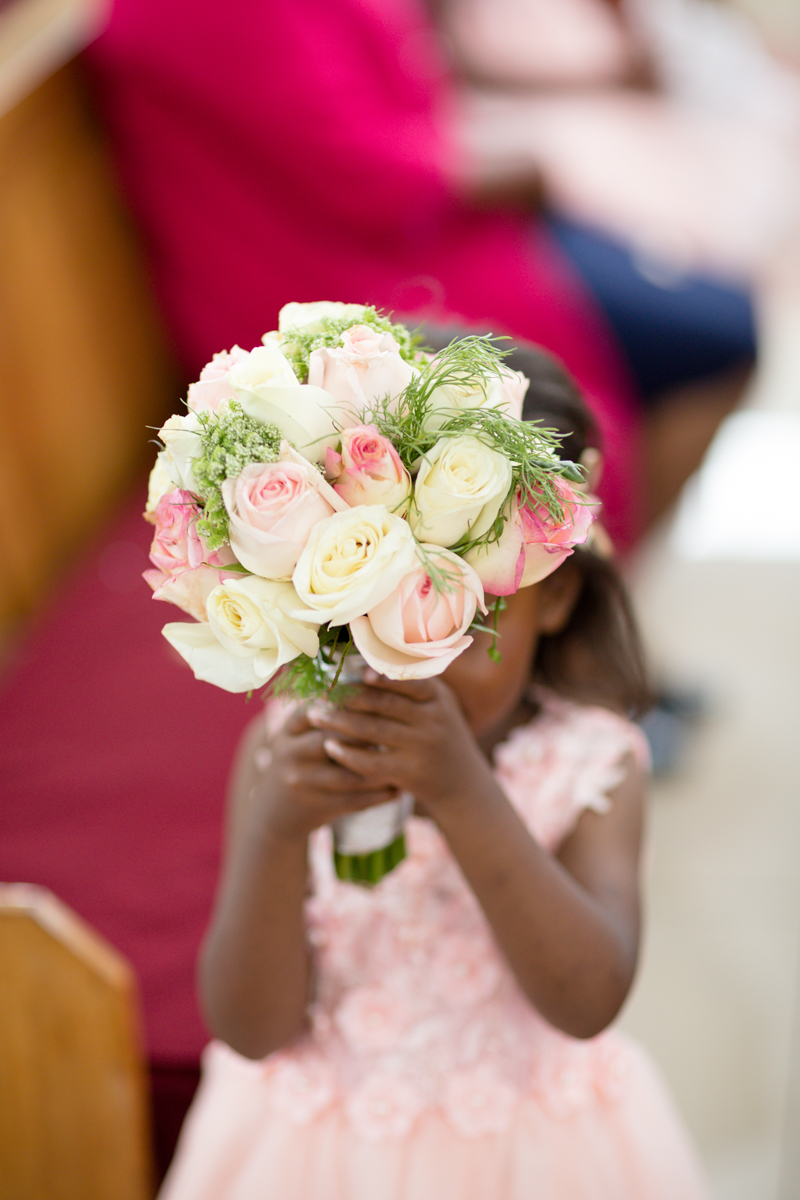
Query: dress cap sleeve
{"points": [[568, 759]]}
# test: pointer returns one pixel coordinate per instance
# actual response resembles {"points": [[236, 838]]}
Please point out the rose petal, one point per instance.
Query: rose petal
{"points": [[189, 590], [500, 565], [541, 560], [394, 664], [270, 542], [305, 415], [211, 662]]}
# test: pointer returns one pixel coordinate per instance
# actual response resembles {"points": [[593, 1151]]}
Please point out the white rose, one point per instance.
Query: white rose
{"points": [[265, 366], [248, 636], [505, 393], [182, 444], [352, 561], [310, 316], [268, 390], [159, 483], [460, 488]]}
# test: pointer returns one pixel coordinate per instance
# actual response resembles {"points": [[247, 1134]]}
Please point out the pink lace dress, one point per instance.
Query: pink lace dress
{"points": [[426, 1074]]}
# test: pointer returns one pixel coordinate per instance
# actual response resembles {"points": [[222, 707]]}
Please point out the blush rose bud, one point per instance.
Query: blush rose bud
{"points": [[369, 471], [365, 368], [272, 508], [417, 631], [532, 544]]}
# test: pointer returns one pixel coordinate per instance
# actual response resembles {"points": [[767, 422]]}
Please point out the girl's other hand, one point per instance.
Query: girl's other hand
{"points": [[299, 786]]}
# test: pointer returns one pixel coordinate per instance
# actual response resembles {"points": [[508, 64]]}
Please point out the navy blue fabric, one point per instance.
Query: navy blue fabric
{"points": [[672, 329]]}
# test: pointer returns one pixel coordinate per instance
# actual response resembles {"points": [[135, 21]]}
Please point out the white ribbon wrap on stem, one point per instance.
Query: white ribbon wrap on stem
{"points": [[372, 828]]}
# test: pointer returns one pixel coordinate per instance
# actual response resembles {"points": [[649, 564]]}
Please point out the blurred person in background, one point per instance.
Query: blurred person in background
{"points": [[293, 152], [663, 139]]}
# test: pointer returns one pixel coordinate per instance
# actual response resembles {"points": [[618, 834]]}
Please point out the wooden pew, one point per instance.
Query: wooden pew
{"points": [[84, 364], [72, 1083]]}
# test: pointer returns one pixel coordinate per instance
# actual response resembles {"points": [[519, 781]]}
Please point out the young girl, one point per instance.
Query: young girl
{"points": [[442, 1036]]}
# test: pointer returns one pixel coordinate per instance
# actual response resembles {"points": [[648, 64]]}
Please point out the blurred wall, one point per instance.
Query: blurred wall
{"points": [[779, 20], [83, 365]]}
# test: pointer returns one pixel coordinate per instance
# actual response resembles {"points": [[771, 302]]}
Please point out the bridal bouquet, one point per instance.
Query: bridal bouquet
{"points": [[340, 491]]}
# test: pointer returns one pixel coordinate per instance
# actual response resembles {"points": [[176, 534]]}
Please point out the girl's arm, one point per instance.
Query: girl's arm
{"points": [[568, 926], [255, 970]]}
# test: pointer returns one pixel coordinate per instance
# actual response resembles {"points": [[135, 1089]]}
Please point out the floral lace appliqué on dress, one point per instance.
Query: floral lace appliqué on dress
{"points": [[415, 1007]]}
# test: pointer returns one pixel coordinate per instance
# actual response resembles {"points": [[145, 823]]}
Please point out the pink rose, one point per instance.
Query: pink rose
{"points": [[366, 368], [189, 589], [272, 509], [416, 631], [369, 470], [547, 542], [383, 1106], [213, 387], [177, 545], [532, 545], [185, 573], [478, 1101]]}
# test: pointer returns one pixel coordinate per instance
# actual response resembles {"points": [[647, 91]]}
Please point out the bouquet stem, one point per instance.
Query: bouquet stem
{"points": [[369, 844], [369, 869]]}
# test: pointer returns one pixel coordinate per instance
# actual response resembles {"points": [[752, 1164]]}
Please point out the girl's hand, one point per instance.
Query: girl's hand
{"points": [[409, 736], [300, 787]]}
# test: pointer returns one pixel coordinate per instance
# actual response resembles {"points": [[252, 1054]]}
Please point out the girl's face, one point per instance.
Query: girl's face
{"points": [[490, 693]]}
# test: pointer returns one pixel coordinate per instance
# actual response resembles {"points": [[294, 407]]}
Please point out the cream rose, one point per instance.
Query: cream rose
{"points": [[182, 443], [272, 509], [268, 391], [505, 392], [366, 368], [265, 366], [416, 632], [352, 561], [460, 487], [249, 634], [309, 317]]}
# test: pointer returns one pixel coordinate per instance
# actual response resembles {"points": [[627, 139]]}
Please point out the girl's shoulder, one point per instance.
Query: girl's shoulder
{"points": [[569, 758]]}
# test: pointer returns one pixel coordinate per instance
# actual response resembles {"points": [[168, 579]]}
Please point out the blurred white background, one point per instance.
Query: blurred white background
{"points": [[718, 1000]]}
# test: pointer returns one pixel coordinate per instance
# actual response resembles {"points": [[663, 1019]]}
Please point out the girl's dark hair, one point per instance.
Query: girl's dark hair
{"points": [[597, 657]]}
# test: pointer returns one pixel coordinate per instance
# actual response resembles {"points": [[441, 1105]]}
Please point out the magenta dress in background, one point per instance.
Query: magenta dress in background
{"points": [[275, 152]]}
